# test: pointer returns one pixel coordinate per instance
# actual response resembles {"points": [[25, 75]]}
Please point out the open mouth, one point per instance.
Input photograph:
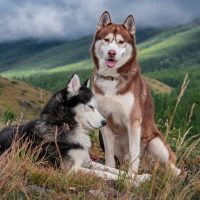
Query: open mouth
{"points": [[111, 63]]}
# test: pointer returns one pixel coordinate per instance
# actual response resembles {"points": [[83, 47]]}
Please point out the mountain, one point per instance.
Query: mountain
{"points": [[165, 55], [174, 48], [158, 49], [18, 97], [49, 54]]}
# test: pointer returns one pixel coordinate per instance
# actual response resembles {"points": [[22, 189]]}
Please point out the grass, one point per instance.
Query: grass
{"points": [[18, 73], [23, 176], [174, 48], [52, 79]]}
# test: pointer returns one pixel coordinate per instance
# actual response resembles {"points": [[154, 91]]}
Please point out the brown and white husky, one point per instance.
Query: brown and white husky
{"points": [[124, 98]]}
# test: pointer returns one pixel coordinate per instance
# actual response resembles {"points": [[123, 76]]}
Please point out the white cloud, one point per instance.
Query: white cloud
{"points": [[70, 19]]}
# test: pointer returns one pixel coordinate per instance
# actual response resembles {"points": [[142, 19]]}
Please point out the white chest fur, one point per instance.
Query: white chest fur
{"points": [[120, 106]]}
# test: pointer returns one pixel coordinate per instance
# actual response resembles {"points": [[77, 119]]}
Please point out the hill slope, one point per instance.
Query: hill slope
{"points": [[175, 48], [21, 97], [53, 79], [169, 48], [29, 54]]}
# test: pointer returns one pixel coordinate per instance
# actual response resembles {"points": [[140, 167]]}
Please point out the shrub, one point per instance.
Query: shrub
{"points": [[8, 117]]}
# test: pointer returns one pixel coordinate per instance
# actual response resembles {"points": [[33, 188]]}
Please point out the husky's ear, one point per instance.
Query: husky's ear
{"points": [[87, 83], [104, 20], [129, 24], [73, 85]]}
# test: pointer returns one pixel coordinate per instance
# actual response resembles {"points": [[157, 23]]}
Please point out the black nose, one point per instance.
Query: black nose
{"points": [[103, 122], [112, 53]]}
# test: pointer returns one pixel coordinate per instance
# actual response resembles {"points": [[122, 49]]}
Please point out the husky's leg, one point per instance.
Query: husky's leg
{"points": [[102, 174], [138, 179], [134, 137], [101, 167], [108, 140], [159, 148]]}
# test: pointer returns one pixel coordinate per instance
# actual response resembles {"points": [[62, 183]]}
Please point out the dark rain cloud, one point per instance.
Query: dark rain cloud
{"points": [[44, 19]]}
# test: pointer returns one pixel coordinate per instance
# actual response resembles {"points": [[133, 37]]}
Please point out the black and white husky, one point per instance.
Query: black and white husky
{"points": [[62, 131]]}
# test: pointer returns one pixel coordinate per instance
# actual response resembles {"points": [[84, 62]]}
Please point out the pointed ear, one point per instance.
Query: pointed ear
{"points": [[104, 20], [129, 24], [73, 85], [87, 83]]}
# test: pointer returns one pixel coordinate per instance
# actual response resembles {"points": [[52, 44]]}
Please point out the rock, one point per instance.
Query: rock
{"points": [[37, 191], [98, 194], [25, 104]]}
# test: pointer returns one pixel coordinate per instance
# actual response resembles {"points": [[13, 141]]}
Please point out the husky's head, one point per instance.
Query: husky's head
{"points": [[73, 104], [113, 45]]}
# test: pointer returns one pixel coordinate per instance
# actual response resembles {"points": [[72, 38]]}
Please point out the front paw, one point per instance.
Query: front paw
{"points": [[139, 179]]}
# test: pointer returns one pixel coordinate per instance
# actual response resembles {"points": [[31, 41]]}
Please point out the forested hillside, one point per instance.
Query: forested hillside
{"points": [[166, 55], [43, 54]]}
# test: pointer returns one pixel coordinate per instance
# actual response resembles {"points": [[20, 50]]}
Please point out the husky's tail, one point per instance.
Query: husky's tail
{"points": [[9, 133], [6, 137]]}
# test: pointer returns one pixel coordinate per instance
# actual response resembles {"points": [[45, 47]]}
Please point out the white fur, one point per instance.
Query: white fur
{"points": [[80, 157], [80, 136], [83, 163], [74, 85], [109, 144], [158, 148], [134, 136], [107, 86], [123, 145], [88, 115], [176, 170], [123, 54], [103, 171], [104, 20], [120, 106]]}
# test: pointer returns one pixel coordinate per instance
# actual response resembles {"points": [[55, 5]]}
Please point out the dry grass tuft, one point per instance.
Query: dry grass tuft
{"points": [[23, 176]]}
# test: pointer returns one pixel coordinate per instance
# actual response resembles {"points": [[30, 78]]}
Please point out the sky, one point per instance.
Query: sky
{"points": [[71, 19]]}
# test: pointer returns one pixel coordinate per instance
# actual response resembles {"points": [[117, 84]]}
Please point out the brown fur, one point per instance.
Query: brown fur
{"points": [[131, 81]]}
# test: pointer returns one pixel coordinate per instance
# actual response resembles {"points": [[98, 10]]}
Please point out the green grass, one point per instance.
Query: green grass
{"points": [[18, 73], [166, 57], [174, 77], [172, 48]]}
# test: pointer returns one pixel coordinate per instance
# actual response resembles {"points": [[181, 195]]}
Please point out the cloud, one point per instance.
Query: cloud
{"points": [[44, 19]]}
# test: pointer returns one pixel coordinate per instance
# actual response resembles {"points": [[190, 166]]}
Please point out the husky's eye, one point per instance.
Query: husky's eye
{"points": [[91, 107], [106, 40], [121, 42]]}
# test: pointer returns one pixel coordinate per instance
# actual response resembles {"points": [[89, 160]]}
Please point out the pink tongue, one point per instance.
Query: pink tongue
{"points": [[110, 63]]}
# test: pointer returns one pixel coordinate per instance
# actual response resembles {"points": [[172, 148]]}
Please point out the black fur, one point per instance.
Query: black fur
{"points": [[56, 114]]}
